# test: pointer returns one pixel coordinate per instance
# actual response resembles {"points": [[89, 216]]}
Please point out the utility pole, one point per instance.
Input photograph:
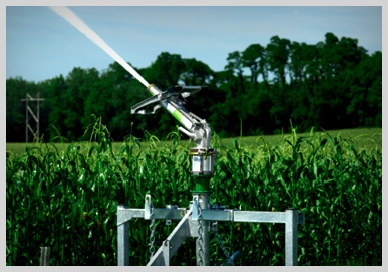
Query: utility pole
{"points": [[34, 116]]}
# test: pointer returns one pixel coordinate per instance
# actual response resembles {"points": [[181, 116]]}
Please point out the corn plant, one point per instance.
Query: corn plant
{"points": [[67, 199]]}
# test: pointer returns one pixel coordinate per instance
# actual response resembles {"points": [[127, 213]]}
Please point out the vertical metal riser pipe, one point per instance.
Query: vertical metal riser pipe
{"points": [[204, 202]]}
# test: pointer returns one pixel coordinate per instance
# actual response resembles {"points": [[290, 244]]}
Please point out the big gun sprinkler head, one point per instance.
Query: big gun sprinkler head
{"points": [[203, 156], [173, 100]]}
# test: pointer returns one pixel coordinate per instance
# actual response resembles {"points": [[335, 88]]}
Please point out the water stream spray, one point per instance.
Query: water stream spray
{"points": [[70, 17]]}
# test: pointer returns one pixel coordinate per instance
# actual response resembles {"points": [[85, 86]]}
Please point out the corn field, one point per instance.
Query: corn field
{"points": [[67, 199]]}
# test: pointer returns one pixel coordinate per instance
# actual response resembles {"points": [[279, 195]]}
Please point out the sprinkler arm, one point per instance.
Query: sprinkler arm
{"points": [[173, 100]]}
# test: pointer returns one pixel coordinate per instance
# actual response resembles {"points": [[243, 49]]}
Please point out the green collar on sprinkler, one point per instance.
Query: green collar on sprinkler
{"points": [[202, 184]]}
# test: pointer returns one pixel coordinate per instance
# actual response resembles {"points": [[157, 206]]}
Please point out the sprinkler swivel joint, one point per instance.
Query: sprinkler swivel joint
{"points": [[203, 161]]}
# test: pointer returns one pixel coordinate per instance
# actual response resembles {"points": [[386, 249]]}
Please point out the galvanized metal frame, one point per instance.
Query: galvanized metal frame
{"points": [[188, 225]]}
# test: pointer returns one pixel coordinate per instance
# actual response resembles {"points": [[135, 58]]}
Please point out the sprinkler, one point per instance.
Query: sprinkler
{"points": [[200, 218], [203, 157]]}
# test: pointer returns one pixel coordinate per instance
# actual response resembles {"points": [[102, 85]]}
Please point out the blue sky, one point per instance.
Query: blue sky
{"points": [[41, 45]]}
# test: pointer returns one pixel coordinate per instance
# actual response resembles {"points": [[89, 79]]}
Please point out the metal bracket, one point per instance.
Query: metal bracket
{"points": [[147, 209], [194, 208], [137, 109]]}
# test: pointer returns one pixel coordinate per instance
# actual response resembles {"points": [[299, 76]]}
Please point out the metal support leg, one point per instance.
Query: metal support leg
{"points": [[292, 220], [122, 239], [204, 202], [45, 256]]}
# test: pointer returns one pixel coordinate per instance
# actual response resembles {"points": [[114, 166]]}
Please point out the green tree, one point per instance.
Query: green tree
{"points": [[122, 92], [253, 57], [277, 56], [67, 100], [166, 70], [235, 64], [56, 89], [338, 61], [365, 92], [196, 73]]}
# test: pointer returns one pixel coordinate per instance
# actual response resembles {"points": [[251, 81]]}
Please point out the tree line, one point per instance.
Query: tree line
{"points": [[332, 84]]}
